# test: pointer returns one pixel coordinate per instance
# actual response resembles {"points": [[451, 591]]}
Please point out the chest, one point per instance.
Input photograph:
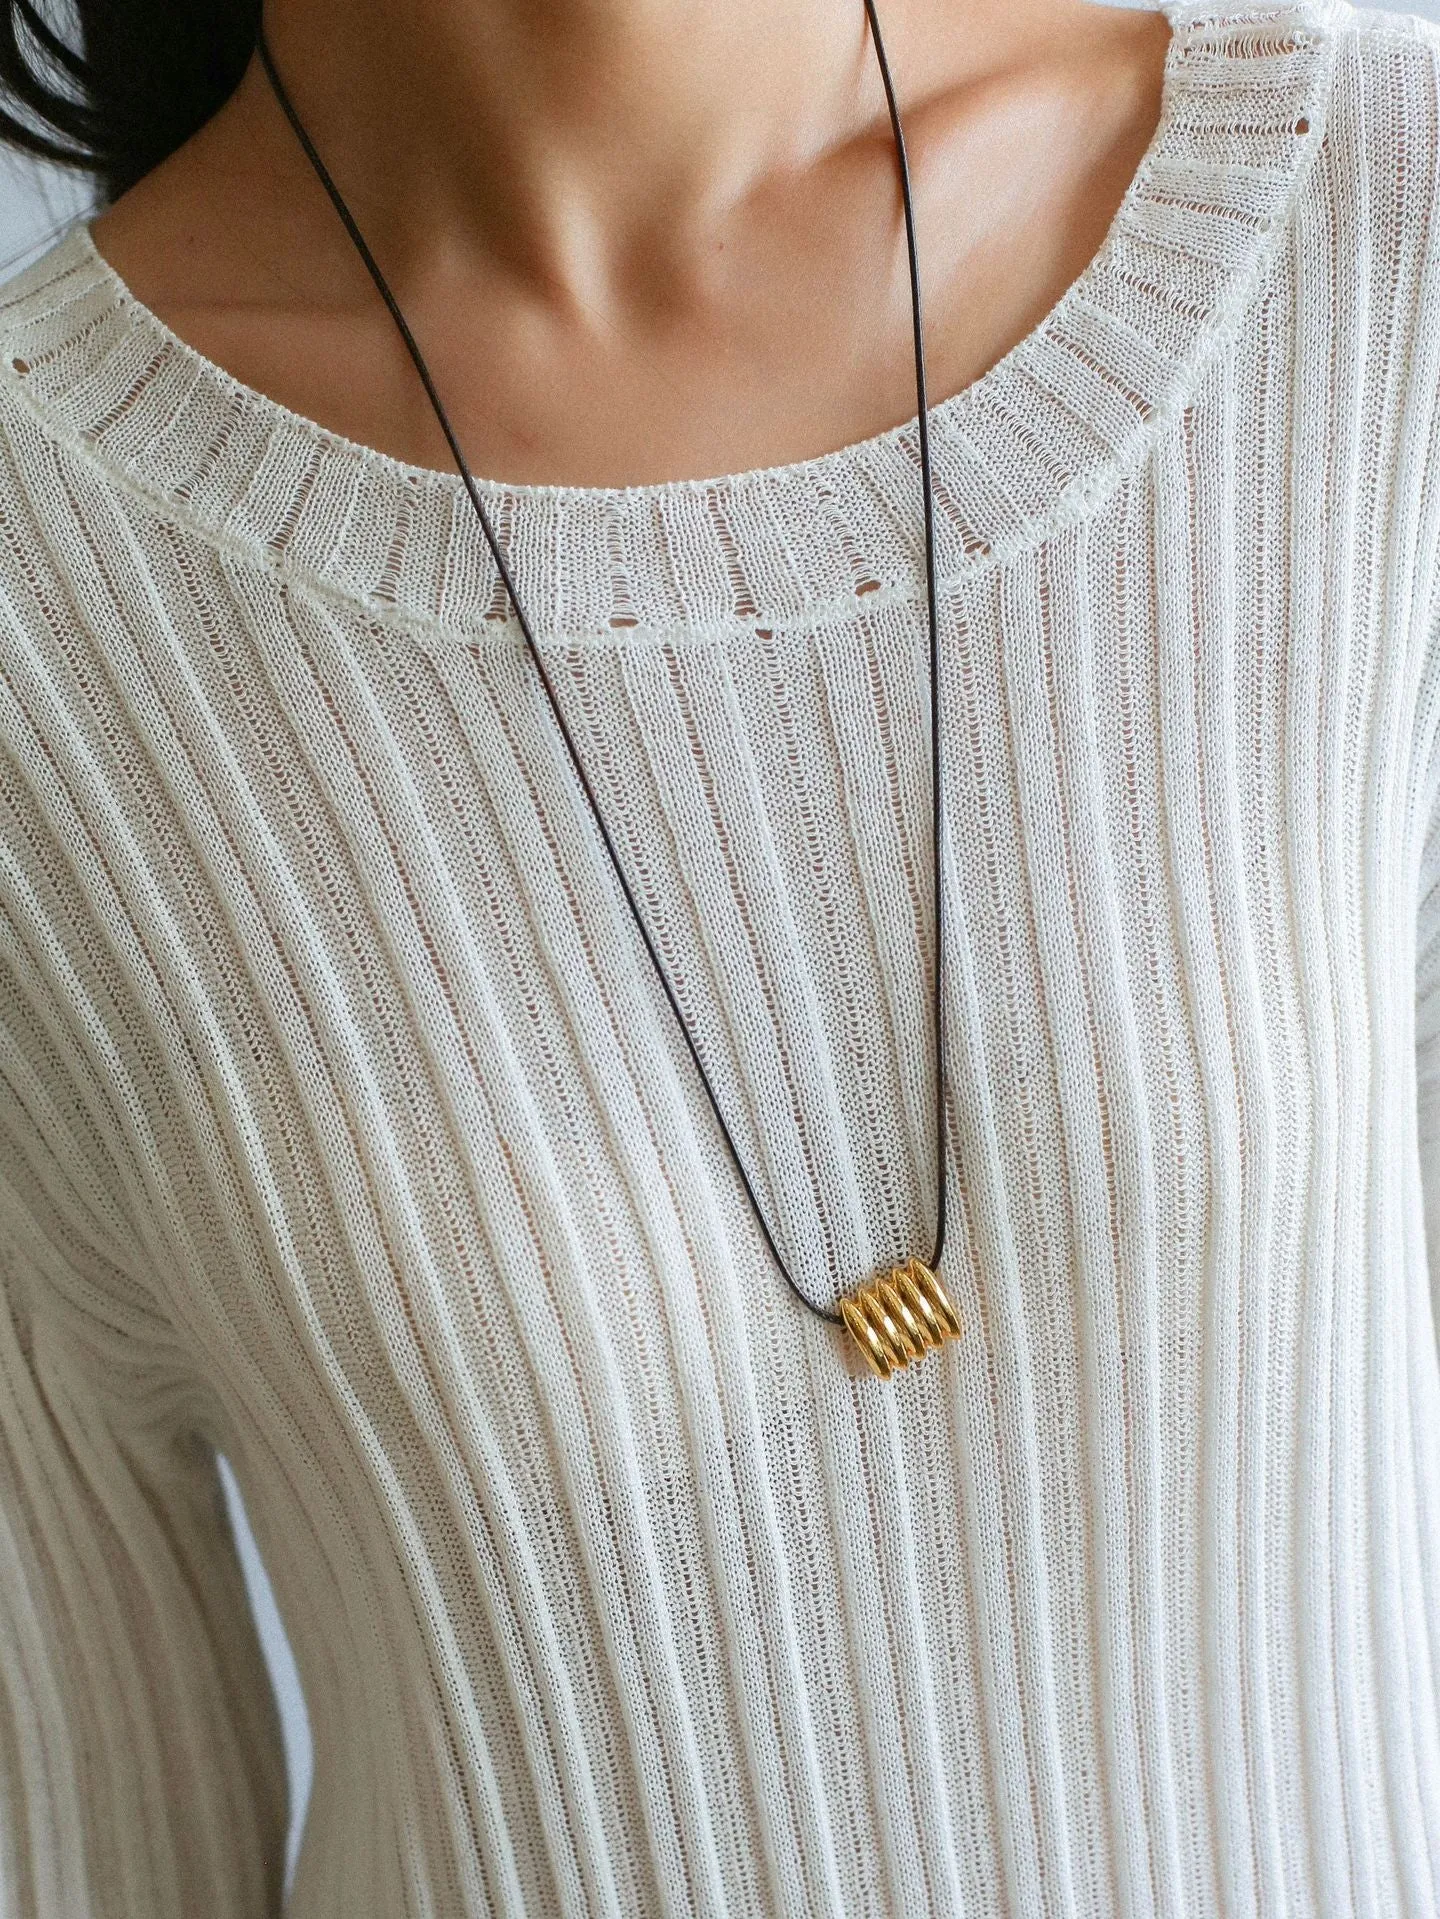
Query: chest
{"points": [[408, 1065]]}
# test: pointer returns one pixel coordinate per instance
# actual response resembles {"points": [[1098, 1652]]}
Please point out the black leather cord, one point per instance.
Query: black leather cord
{"points": [[829, 1314]]}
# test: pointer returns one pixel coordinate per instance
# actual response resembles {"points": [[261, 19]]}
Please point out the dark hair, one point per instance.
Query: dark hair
{"points": [[138, 78]]}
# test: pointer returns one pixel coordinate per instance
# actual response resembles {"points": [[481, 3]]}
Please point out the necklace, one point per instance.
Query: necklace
{"points": [[904, 1312]]}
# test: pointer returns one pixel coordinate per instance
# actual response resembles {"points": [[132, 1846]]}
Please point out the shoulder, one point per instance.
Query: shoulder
{"points": [[1365, 251], [1384, 99], [86, 396], [1367, 209], [1374, 26], [1337, 102], [49, 312], [75, 387], [1373, 216], [1379, 64]]}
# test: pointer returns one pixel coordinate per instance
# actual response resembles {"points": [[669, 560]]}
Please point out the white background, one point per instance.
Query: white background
{"points": [[34, 205]]}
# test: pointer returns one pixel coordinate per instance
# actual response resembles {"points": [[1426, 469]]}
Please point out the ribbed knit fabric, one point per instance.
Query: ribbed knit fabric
{"points": [[346, 1131]]}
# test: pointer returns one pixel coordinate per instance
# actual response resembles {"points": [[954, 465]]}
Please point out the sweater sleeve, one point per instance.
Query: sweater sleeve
{"points": [[141, 1767], [1427, 1048]]}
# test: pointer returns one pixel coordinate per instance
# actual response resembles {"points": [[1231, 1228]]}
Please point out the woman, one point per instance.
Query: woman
{"points": [[349, 1130]]}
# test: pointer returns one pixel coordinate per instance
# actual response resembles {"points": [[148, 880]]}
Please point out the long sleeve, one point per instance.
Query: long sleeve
{"points": [[141, 1774], [1427, 1047]]}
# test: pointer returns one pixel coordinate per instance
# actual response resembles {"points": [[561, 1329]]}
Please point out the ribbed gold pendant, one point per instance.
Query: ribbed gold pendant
{"points": [[899, 1317]]}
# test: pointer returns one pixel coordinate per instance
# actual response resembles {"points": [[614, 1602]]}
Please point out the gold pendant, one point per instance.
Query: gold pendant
{"points": [[900, 1316]]}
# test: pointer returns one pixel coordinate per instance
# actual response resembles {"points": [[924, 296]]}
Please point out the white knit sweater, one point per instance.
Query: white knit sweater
{"points": [[345, 1129]]}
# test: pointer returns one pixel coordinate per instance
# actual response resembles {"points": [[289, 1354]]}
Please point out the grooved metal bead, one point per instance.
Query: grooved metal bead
{"points": [[900, 1316]]}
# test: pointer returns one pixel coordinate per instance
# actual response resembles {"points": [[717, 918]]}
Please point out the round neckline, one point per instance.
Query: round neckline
{"points": [[1033, 443]]}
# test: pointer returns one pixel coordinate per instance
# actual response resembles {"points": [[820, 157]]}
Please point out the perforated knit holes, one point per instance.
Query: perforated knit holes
{"points": [[503, 521], [21, 366], [1302, 126]]}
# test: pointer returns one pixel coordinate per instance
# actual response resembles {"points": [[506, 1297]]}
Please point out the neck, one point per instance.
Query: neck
{"points": [[567, 141]]}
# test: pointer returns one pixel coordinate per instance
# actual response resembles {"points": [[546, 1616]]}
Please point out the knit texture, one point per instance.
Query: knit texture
{"points": [[345, 1129]]}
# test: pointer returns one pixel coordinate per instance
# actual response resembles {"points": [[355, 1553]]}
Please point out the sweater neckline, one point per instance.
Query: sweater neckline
{"points": [[1033, 444]]}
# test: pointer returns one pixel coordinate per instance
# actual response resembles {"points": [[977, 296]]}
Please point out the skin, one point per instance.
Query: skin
{"points": [[640, 240]]}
